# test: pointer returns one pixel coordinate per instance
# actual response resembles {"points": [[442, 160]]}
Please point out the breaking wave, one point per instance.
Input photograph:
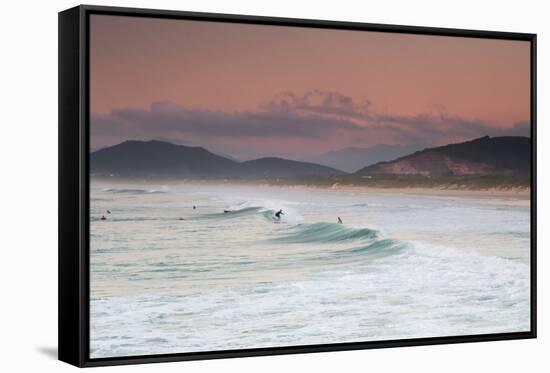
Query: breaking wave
{"points": [[134, 191], [327, 232]]}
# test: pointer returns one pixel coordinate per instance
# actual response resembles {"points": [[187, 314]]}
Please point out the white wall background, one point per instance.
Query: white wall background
{"points": [[28, 198]]}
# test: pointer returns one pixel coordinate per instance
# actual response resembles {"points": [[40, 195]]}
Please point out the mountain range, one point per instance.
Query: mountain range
{"points": [[352, 159], [482, 156], [162, 159], [507, 155]]}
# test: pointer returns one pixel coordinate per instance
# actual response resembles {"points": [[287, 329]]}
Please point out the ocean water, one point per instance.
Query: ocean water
{"points": [[401, 266]]}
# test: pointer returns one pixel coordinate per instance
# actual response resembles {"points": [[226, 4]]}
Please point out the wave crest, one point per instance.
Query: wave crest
{"points": [[329, 233], [134, 191]]}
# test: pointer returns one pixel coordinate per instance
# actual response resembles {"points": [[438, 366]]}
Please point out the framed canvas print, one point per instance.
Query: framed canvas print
{"points": [[236, 186]]}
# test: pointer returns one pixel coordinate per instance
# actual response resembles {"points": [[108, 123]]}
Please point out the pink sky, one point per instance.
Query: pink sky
{"points": [[220, 85]]}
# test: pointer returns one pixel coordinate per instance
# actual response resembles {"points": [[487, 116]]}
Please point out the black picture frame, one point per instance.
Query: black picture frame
{"points": [[73, 250]]}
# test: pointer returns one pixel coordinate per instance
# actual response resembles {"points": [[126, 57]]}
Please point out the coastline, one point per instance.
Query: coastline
{"points": [[520, 195], [517, 196], [518, 192]]}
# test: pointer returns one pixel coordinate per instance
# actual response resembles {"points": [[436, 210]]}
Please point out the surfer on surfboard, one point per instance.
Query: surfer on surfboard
{"points": [[278, 214]]}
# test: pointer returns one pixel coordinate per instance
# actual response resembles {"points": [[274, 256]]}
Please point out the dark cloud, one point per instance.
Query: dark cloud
{"points": [[316, 116], [439, 128], [318, 102], [165, 118]]}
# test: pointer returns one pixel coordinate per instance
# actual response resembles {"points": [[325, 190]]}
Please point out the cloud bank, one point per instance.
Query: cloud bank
{"points": [[291, 124]]}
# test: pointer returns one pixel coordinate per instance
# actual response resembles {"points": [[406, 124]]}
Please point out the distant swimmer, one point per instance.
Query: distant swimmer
{"points": [[278, 214], [103, 217], [340, 221], [108, 211]]}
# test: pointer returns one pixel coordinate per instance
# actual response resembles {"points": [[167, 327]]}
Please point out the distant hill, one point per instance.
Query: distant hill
{"points": [[352, 159], [509, 155], [268, 167], [162, 159]]}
